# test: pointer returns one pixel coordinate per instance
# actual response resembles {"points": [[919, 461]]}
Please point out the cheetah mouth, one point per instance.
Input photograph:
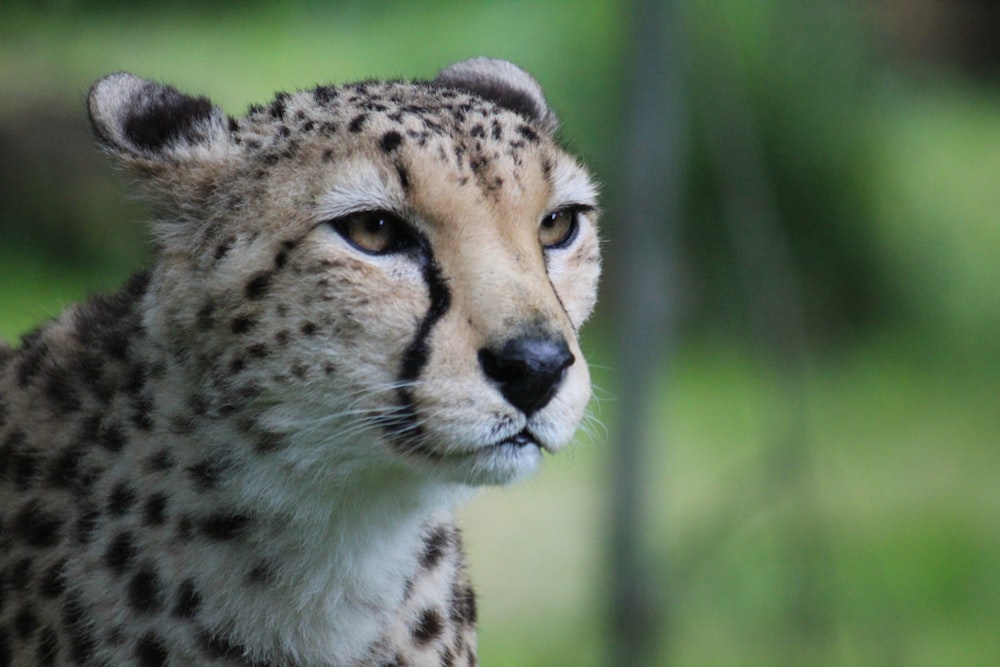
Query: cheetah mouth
{"points": [[521, 440]]}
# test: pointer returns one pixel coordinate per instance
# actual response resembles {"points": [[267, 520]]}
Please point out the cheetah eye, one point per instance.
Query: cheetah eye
{"points": [[558, 229], [375, 232]]}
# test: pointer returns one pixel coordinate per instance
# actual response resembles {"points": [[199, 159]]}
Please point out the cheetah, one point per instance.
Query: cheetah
{"points": [[364, 304]]}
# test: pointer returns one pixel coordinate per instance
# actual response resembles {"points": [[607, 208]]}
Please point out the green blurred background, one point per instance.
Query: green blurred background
{"points": [[835, 501]]}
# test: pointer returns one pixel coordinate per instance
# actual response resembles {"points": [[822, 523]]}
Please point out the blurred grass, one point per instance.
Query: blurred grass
{"points": [[902, 427], [904, 464]]}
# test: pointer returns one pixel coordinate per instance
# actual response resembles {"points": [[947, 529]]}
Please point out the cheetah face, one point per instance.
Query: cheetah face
{"points": [[392, 273]]}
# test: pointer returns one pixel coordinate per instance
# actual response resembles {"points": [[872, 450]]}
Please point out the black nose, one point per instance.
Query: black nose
{"points": [[527, 370]]}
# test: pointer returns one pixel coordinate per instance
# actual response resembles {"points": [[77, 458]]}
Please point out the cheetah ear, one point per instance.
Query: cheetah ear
{"points": [[504, 84], [142, 122]]}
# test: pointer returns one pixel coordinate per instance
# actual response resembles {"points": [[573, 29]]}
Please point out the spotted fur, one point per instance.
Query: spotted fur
{"points": [[250, 454]]}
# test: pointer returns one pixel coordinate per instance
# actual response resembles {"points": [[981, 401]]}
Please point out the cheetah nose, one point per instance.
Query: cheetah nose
{"points": [[527, 370]]}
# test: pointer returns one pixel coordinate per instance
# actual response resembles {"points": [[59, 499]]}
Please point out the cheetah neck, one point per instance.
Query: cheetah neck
{"points": [[317, 561]]}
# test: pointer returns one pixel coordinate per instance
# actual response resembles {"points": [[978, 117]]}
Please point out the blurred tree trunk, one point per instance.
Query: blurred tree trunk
{"points": [[771, 283], [645, 242]]}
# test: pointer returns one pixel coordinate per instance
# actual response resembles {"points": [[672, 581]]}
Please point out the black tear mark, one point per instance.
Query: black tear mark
{"points": [[402, 425]]}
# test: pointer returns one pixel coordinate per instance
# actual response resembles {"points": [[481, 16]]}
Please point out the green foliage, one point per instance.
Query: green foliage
{"points": [[787, 86]]}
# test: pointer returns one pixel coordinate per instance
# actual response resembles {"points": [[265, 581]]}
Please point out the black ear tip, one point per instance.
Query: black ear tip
{"points": [[504, 84], [134, 115]]}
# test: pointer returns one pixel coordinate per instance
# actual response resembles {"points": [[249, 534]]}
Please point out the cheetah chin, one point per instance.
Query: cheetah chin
{"points": [[364, 303]]}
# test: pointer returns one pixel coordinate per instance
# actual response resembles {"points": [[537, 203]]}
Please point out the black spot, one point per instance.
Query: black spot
{"points": [[224, 247], [52, 583], [21, 464], [121, 499], [258, 351], [236, 365], [112, 437], [32, 358], [463, 605], [153, 512], [261, 573], [36, 526], [357, 123], [428, 626], [142, 412], [206, 315], [234, 124], [188, 600], [435, 546], [6, 657], [160, 461], [257, 286], [224, 526], [220, 648], [136, 379], [242, 324], [120, 553], [25, 623], [308, 328], [206, 474], [324, 95], [48, 648], [447, 658], [478, 131], [395, 661], [277, 108], [21, 574], [327, 155], [144, 594], [528, 133], [64, 469], [81, 641], [150, 651], [391, 141], [267, 442], [280, 259], [166, 116], [60, 392]]}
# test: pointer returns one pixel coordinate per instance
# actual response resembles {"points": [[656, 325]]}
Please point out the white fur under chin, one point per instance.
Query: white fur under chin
{"points": [[347, 546]]}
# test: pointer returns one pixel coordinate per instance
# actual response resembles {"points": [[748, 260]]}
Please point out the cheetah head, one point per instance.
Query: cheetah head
{"points": [[392, 274]]}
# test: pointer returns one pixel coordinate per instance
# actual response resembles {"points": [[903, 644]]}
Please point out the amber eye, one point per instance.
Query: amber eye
{"points": [[558, 229], [375, 232]]}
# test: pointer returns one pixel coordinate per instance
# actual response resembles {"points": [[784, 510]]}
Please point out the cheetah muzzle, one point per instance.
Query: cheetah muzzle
{"points": [[364, 303]]}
